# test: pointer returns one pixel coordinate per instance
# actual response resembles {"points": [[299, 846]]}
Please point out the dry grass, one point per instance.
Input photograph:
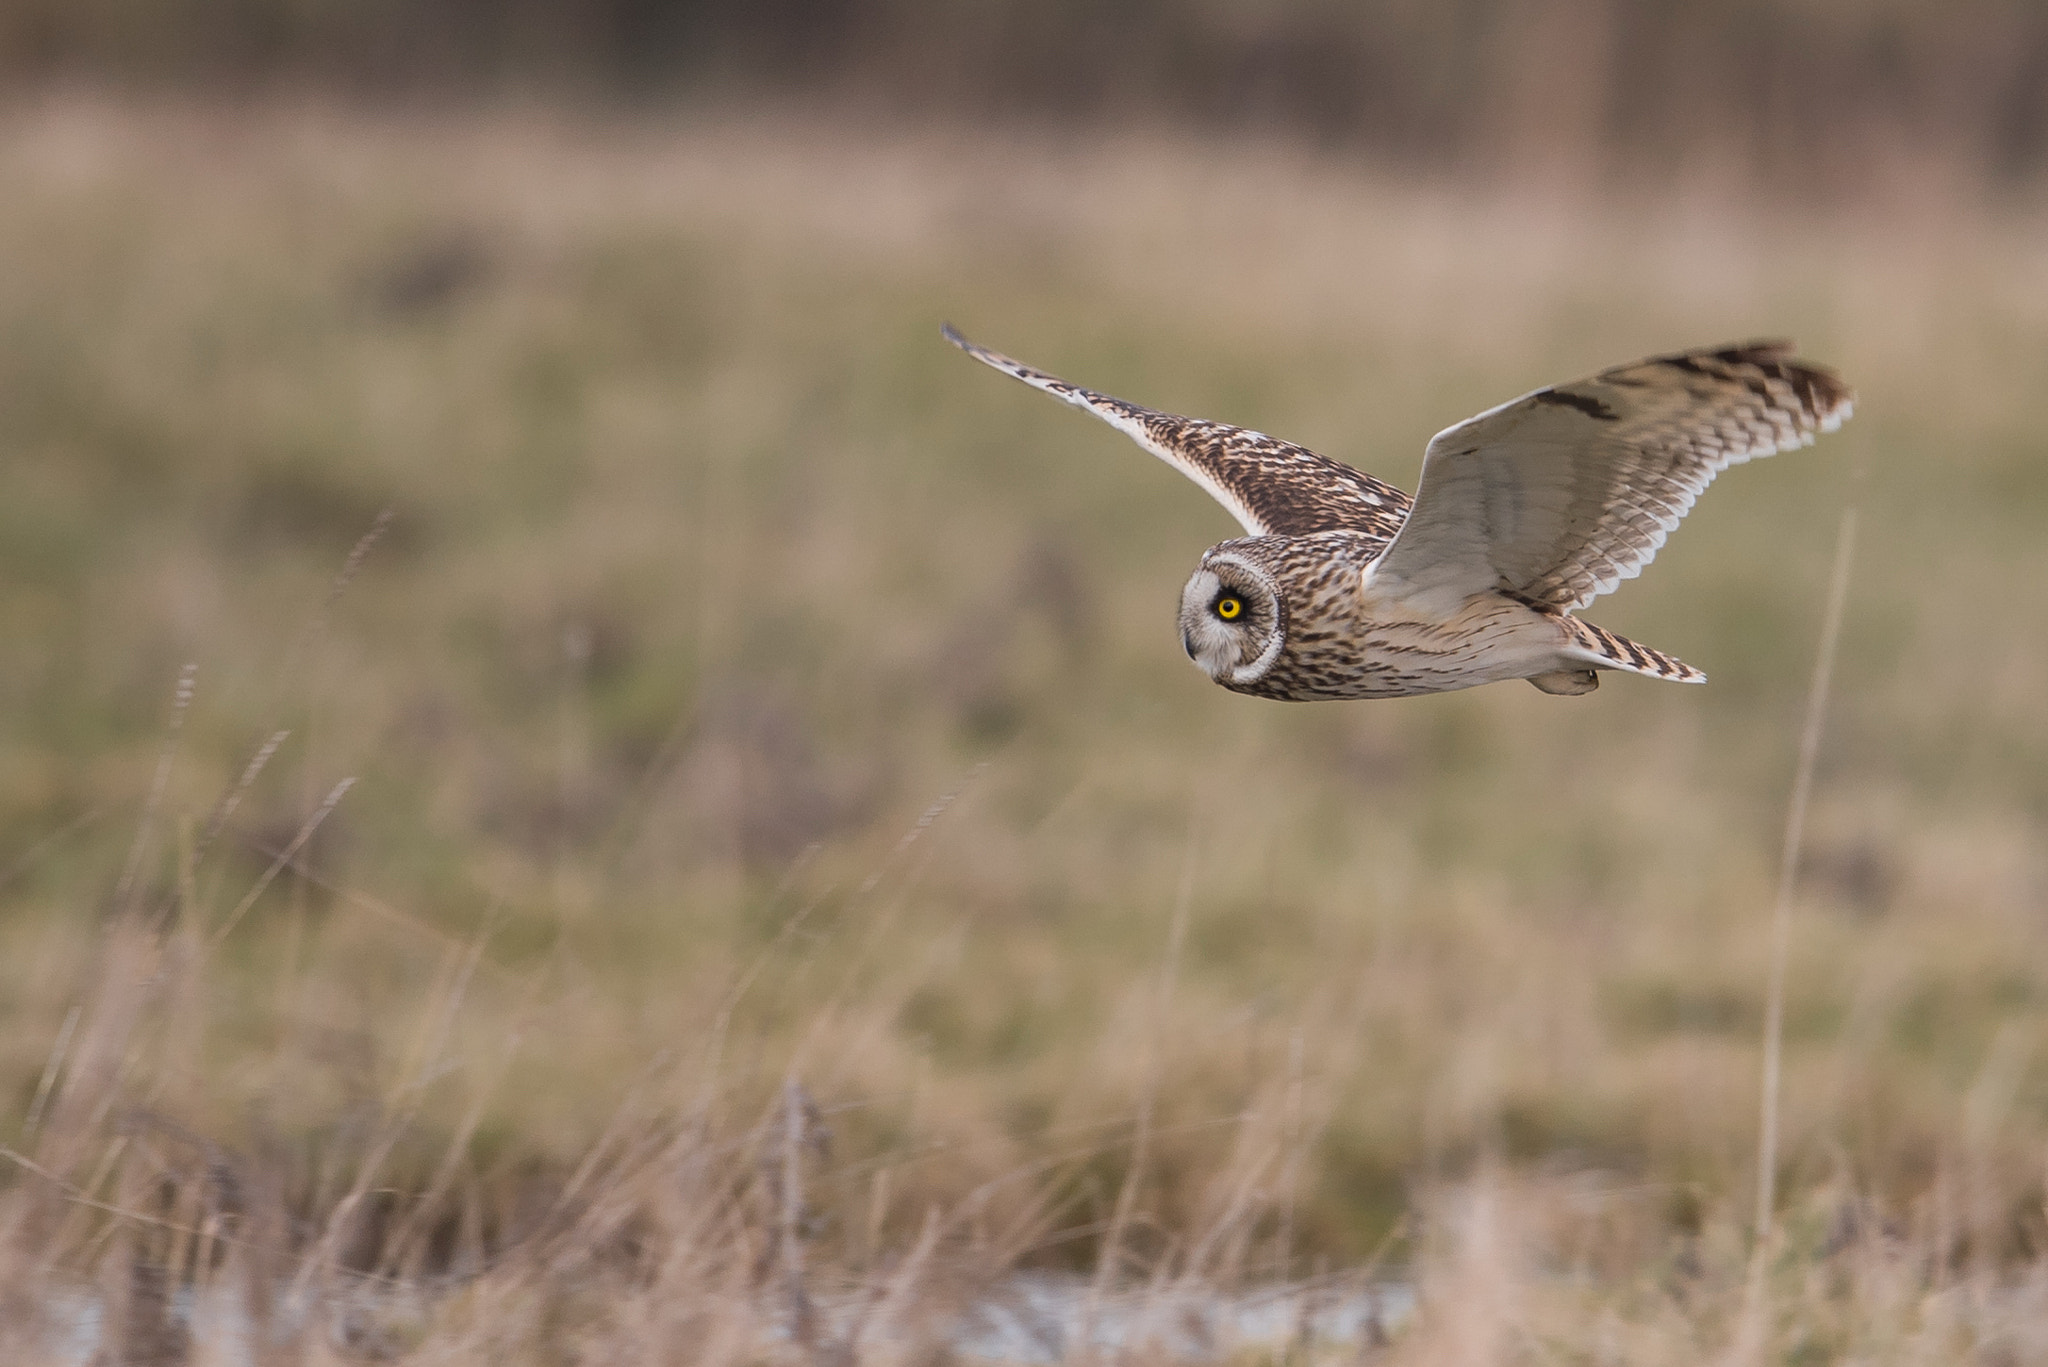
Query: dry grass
{"points": [[790, 878]]}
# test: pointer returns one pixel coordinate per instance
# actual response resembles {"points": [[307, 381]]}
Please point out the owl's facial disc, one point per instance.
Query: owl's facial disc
{"points": [[1231, 623]]}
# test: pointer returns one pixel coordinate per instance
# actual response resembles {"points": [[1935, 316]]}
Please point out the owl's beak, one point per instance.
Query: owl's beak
{"points": [[1187, 643]]}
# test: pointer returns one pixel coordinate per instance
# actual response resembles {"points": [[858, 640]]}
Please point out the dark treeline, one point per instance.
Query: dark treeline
{"points": [[1808, 93]]}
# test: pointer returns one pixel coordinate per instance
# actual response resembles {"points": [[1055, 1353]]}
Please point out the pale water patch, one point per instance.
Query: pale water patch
{"points": [[1029, 1318], [1044, 1318]]}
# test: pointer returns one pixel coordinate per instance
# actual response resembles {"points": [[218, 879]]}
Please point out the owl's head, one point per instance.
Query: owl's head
{"points": [[1233, 621]]}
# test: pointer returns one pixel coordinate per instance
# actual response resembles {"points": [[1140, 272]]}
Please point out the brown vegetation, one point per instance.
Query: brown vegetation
{"points": [[790, 878]]}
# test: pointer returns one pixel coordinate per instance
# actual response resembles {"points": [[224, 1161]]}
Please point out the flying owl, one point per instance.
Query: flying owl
{"points": [[1344, 587]]}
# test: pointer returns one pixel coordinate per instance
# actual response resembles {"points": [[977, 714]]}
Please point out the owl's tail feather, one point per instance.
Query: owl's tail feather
{"points": [[1602, 649]]}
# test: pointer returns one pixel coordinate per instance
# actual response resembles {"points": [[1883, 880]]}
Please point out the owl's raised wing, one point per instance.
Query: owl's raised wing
{"points": [[1272, 487], [1559, 495]]}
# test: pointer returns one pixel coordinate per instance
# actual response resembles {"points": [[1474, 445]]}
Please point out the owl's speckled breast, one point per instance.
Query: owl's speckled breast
{"points": [[1342, 642]]}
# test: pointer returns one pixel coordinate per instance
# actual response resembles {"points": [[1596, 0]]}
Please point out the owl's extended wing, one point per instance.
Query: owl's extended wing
{"points": [[1272, 487], [1559, 495]]}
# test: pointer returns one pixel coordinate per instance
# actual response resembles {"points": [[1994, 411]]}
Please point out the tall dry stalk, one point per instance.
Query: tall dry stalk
{"points": [[1788, 869], [1750, 1329]]}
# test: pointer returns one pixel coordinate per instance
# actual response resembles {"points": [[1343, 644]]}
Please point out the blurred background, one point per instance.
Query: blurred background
{"points": [[536, 414], [1807, 99]]}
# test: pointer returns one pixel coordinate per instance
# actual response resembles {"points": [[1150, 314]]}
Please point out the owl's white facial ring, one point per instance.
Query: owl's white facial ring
{"points": [[1232, 619]]}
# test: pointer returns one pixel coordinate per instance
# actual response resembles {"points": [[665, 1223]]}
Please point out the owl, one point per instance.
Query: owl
{"points": [[1344, 587]]}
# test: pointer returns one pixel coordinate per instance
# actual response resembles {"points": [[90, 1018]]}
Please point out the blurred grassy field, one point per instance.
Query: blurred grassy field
{"points": [[711, 574]]}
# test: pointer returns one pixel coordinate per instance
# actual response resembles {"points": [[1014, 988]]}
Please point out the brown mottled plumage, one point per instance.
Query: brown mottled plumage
{"points": [[1347, 589]]}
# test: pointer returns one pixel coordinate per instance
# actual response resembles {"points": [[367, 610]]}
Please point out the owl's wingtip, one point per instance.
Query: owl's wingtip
{"points": [[985, 356]]}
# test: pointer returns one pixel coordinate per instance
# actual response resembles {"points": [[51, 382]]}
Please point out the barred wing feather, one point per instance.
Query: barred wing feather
{"points": [[1272, 487], [1558, 496]]}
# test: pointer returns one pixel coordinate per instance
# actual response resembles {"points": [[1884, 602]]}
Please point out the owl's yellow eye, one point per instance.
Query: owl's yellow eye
{"points": [[1228, 608]]}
